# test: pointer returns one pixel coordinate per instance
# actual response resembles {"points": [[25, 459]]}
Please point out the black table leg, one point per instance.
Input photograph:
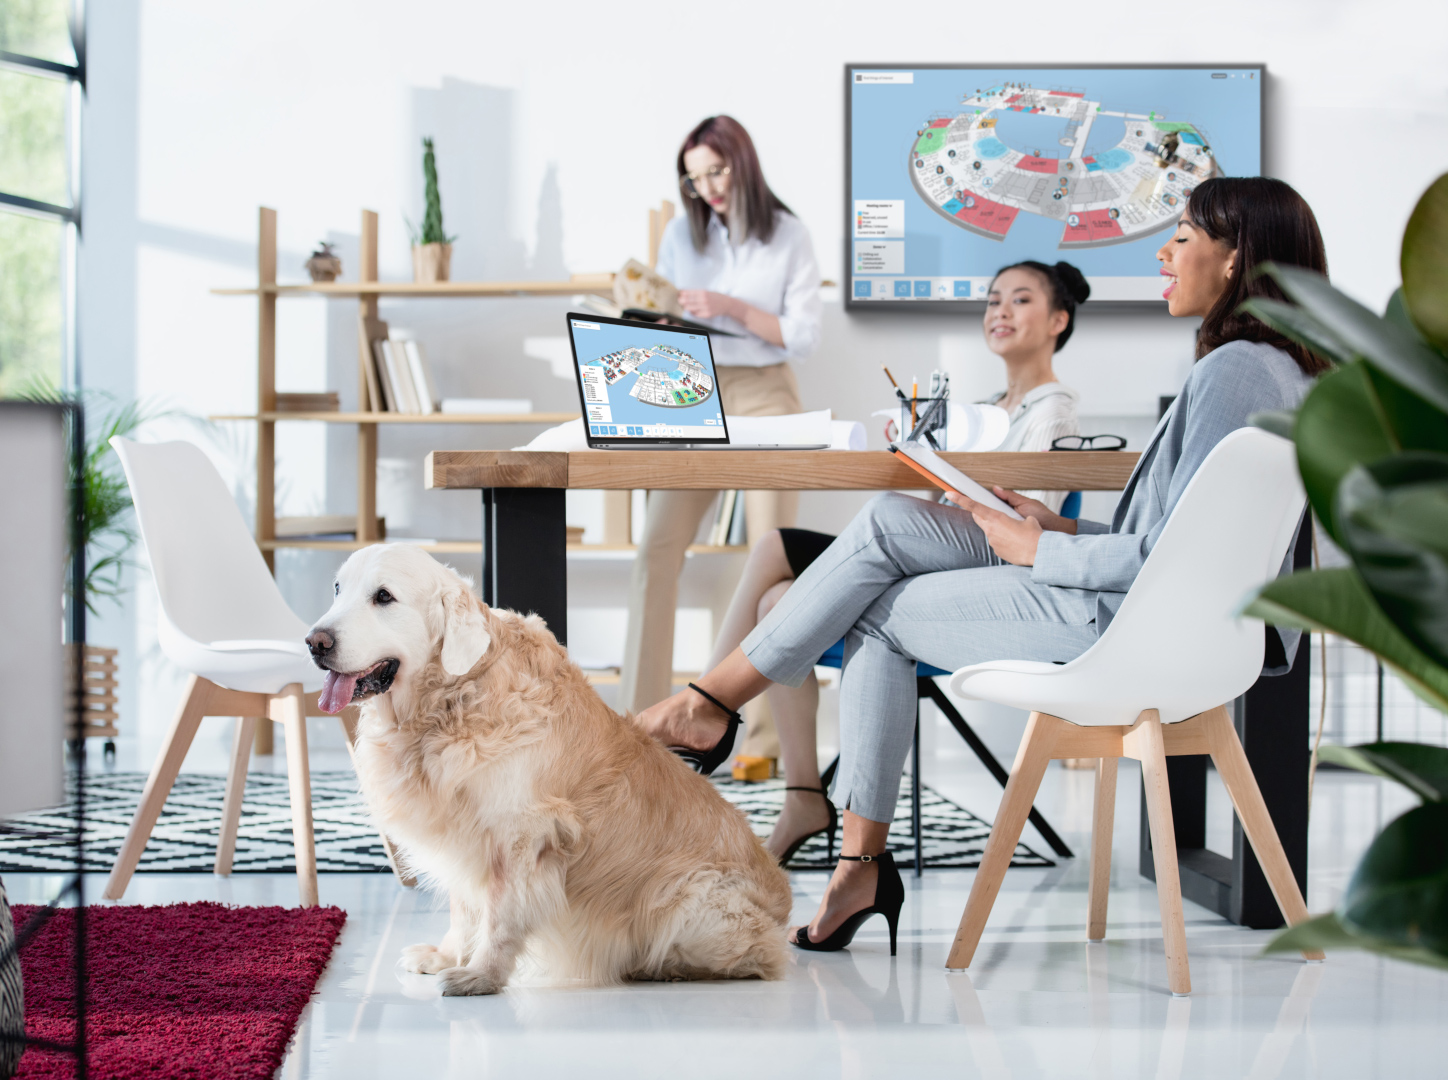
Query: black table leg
{"points": [[915, 793], [525, 554], [1273, 724]]}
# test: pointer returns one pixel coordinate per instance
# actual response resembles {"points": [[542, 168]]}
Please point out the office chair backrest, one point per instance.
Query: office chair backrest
{"points": [[213, 582]]}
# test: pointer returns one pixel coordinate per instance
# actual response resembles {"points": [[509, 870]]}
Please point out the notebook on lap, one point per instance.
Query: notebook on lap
{"points": [[649, 387]]}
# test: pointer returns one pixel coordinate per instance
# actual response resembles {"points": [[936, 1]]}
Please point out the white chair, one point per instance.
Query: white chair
{"points": [[1154, 685], [222, 619]]}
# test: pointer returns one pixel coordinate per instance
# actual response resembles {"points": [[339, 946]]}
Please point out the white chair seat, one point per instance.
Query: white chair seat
{"points": [[253, 665]]}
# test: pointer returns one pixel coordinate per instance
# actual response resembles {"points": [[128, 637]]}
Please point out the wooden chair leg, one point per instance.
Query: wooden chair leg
{"points": [[1031, 761], [1241, 785], [1149, 747], [299, 779], [158, 784], [348, 718], [235, 789], [1103, 822]]}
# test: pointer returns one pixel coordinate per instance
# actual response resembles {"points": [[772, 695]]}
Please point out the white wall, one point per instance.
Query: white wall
{"points": [[557, 126]]}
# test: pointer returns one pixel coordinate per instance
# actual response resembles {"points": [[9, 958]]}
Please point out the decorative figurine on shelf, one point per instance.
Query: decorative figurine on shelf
{"points": [[324, 265], [431, 248]]}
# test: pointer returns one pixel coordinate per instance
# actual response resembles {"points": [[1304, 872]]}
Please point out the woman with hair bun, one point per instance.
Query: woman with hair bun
{"points": [[911, 580], [1030, 314]]}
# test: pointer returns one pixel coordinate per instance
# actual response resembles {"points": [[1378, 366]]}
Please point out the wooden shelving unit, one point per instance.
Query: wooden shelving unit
{"points": [[367, 291]]}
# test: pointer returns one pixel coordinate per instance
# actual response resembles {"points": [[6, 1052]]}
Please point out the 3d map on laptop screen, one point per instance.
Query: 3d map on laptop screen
{"points": [[646, 382]]}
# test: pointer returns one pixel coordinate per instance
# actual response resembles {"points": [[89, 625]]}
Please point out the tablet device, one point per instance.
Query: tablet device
{"points": [[943, 475]]}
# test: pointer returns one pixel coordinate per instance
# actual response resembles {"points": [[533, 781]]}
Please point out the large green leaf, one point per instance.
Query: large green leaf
{"points": [[1399, 891], [1392, 517], [1340, 425], [1387, 347], [1425, 263], [1420, 768], [1301, 326], [1338, 602], [1278, 421], [1326, 932], [1397, 313]]}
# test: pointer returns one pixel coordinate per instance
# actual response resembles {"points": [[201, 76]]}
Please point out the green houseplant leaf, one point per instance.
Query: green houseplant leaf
{"points": [[1390, 348], [1301, 326], [1425, 264], [1399, 892], [1421, 769], [1326, 932], [1278, 422], [1393, 519], [1339, 602]]}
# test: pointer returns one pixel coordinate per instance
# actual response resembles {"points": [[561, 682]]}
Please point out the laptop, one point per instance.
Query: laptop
{"points": [[649, 386]]}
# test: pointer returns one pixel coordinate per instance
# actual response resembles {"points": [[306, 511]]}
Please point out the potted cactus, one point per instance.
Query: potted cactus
{"points": [[431, 247]]}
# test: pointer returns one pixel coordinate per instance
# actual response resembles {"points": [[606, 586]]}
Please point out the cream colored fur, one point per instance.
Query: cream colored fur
{"points": [[553, 823]]}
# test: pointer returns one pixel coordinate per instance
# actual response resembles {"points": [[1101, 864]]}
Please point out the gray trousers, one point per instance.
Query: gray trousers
{"points": [[909, 580]]}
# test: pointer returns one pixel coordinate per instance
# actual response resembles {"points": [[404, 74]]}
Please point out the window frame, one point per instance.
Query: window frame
{"points": [[74, 75]]}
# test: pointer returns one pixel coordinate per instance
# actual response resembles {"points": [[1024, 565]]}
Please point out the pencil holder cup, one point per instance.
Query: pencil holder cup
{"points": [[917, 413]]}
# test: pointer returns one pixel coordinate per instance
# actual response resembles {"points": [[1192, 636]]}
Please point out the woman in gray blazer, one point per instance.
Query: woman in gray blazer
{"points": [[911, 580]]}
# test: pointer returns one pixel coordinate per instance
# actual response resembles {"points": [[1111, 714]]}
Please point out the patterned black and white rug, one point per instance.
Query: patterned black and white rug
{"points": [[184, 841]]}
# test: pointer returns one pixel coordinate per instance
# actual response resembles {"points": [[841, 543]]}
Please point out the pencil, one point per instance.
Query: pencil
{"points": [[914, 394]]}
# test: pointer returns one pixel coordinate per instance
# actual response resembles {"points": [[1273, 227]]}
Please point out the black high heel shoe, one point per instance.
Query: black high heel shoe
{"points": [[829, 829], [706, 761], [889, 898]]}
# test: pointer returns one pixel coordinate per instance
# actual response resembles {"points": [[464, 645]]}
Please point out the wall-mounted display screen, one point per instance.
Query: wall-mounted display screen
{"points": [[955, 171]]}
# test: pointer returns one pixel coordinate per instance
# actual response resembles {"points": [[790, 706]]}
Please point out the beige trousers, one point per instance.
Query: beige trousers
{"points": [[671, 522]]}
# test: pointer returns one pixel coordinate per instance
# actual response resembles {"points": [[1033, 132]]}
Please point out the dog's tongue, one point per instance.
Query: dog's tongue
{"points": [[337, 691]]}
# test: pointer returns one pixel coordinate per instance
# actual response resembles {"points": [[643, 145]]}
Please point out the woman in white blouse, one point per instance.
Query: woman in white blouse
{"points": [[743, 263], [1030, 314]]}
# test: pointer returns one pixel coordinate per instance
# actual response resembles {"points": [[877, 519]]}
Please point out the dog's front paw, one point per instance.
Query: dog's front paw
{"points": [[427, 959], [468, 982]]}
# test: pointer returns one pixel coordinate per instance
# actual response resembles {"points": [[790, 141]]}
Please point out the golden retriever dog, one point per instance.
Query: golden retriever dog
{"points": [[556, 826]]}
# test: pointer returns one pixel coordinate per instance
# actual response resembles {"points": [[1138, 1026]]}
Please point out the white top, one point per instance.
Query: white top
{"points": [[1044, 414], [780, 277]]}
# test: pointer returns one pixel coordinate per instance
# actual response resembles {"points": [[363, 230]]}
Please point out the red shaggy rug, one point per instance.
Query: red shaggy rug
{"points": [[190, 990]]}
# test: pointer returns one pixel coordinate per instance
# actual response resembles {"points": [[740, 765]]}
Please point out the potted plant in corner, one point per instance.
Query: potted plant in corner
{"points": [[1372, 448], [431, 247]]}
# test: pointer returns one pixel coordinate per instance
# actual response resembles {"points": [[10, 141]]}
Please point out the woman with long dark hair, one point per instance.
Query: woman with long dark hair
{"points": [[911, 580], [743, 263]]}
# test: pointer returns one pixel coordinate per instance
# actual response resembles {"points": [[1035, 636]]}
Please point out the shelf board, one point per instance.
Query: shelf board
{"points": [[475, 547], [407, 418], [578, 283]]}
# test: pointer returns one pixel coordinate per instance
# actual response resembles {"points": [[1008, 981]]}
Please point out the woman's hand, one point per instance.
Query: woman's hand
{"points": [[1014, 541], [703, 304]]}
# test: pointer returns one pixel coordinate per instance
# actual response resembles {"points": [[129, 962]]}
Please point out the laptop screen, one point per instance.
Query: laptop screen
{"points": [[646, 382]]}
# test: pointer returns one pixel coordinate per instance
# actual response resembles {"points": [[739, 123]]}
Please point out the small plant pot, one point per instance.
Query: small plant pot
{"points": [[431, 262], [324, 268]]}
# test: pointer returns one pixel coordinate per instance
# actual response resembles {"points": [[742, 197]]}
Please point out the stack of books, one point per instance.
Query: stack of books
{"points": [[404, 377], [728, 529], [325, 401]]}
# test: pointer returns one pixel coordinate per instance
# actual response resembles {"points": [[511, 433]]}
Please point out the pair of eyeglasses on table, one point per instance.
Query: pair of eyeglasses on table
{"points": [[1089, 442]]}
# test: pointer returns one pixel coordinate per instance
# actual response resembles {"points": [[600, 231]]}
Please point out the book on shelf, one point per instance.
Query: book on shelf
{"points": [[738, 533], [418, 370], [322, 401], [323, 527], [388, 402], [400, 375], [723, 518]]}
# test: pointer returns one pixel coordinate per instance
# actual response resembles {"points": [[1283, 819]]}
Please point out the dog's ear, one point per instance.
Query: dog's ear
{"points": [[464, 632]]}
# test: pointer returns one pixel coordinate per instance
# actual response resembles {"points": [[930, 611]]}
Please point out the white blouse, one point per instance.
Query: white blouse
{"points": [[1044, 415], [780, 277]]}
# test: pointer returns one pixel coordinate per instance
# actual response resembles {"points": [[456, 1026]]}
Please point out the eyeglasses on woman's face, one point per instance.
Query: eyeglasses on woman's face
{"points": [[713, 177], [1089, 442]]}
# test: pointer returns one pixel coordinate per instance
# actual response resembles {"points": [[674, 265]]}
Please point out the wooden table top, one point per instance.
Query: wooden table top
{"points": [[780, 470]]}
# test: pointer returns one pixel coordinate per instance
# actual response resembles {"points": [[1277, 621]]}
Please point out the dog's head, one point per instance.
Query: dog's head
{"points": [[395, 608]]}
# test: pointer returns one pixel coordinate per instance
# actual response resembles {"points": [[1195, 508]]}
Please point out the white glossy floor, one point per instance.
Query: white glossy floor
{"points": [[1039, 1001]]}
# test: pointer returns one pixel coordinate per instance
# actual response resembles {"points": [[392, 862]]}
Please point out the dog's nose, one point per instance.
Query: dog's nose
{"points": [[320, 642]]}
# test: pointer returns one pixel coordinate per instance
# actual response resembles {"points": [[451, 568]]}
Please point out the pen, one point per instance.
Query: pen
{"points": [[898, 392]]}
